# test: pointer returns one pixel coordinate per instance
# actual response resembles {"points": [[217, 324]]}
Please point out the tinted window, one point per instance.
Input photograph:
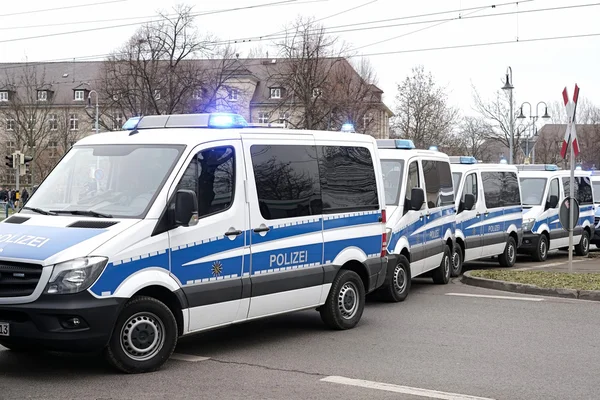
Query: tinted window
{"points": [[583, 189], [347, 179], [413, 182], [492, 189], [596, 186], [392, 175], [470, 187], [438, 183], [287, 180], [510, 195], [446, 184], [533, 190], [554, 190], [456, 180], [211, 175]]}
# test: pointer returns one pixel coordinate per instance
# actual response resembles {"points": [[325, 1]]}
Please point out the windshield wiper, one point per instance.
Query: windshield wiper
{"points": [[88, 213], [39, 211]]}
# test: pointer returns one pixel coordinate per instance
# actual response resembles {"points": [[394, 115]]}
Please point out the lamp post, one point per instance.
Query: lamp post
{"points": [[509, 86], [533, 119], [90, 104]]}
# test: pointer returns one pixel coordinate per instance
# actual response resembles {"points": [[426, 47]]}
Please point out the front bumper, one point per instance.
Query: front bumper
{"points": [[529, 243], [44, 323], [377, 268]]}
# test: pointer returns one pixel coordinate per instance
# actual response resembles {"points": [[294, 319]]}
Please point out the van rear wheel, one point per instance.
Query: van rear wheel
{"points": [[345, 302], [583, 248], [457, 260], [144, 336], [509, 257], [441, 275], [397, 284]]}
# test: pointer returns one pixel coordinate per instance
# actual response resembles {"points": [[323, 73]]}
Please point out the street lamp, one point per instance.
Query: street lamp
{"points": [[533, 119], [89, 104], [509, 86]]}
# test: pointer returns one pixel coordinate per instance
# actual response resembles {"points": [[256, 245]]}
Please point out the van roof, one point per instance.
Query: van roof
{"points": [[399, 154], [483, 167], [551, 174]]}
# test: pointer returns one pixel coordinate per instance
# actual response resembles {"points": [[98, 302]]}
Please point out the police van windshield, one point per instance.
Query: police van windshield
{"points": [[532, 191], [392, 176], [456, 180], [596, 186], [106, 180]]}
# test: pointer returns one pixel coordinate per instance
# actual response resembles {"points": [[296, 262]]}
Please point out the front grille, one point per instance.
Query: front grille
{"points": [[18, 279], [596, 221]]}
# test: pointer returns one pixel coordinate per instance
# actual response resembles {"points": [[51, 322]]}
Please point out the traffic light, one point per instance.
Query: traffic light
{"points": [[27, 159], [9, 162], [24, 169]]}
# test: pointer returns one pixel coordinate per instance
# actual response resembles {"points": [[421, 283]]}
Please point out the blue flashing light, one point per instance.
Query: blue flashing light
{"points": [[503, 161], [348, 127], [578, 168], [404, 144], [226, 120], [433, 148], [131, 124], [468, 160], [551, 167]]}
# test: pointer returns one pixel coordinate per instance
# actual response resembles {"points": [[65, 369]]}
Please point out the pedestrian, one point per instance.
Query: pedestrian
{"points": [[24, 196]]}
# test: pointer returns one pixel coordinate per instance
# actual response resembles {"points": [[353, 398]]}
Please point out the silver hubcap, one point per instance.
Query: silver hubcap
{"points": [[511, 253], [348, 300], [543, 248], [142, 336], [399, 279], [456, 260], [585, 244], [446, 265]]}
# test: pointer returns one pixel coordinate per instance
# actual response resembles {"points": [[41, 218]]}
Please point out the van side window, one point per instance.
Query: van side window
{"points": [[413, 182], [446, 184], [554, 190], [470, 187], [583, 190], [347, 179], [287, 180], [492, 189], [510, 195], [211, 174], [438, 183]]}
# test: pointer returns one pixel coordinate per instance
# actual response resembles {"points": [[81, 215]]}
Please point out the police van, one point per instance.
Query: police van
{"points": [[488, 211], [595, 175], [545, 186], [184, 223], [420, 216]]}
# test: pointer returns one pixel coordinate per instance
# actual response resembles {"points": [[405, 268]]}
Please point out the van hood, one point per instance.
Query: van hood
{"points": [[49, 240], [532, 212]]}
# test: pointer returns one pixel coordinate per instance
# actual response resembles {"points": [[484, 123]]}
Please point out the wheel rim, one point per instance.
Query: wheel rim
{"points": [[348, 300], [446, 265], [456, 261], [399, 279], [585, 243], [543, 248], [511, 253], [142, 336]]}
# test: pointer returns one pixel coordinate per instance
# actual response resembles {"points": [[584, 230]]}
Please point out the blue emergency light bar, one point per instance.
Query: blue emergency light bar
{"points": [[433, 148], [208, 120], [538, 167], [406, 144], [463, 160]]}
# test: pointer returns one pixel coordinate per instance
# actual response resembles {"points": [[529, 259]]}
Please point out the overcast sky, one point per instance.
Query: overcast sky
{"points": [[541, 69]]}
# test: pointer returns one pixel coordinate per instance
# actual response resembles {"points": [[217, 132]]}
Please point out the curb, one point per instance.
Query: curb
{"points": [[523, 288]]}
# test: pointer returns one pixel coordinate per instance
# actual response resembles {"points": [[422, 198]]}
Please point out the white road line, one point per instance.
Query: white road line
{"points": [[555, 264], [485, 296], [388, 387], [188, 357]]}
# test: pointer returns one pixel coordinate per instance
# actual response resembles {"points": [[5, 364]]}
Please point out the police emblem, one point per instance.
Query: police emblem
{"points": [[217, 268]]}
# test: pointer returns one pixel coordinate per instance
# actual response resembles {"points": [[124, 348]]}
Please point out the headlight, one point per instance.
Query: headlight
{"points": [[76, 275], [528, 224]]}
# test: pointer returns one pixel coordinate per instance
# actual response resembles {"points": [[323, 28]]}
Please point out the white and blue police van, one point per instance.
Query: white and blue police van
{"points": [[544, 187], [595, 176], [182, 223], [489, 213], [419, 201]]}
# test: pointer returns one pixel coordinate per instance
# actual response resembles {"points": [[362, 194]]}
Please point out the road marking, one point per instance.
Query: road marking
{"points": [[388, 387], [550, 265], [486, 296], [188, 357]]}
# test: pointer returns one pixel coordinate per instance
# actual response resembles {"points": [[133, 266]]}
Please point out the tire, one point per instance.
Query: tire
{"points": [[150, 317], [441, 275], [345, 302], [583, 248], [457, 261], [397, 284], [541, 251], [509, 257]]}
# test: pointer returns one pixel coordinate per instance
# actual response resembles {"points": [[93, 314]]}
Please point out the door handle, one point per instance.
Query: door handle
{"points": [[233, 232], [262, 229], [478, 215]]}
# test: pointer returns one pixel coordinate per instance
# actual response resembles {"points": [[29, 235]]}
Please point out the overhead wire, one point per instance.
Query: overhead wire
{"points": [[62, 8]]}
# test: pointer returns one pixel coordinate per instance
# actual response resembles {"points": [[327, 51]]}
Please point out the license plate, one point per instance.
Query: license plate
{"points": [[4, 329]]}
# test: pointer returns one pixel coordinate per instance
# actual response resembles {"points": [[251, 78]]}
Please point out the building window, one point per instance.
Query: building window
{"points": [[316, 92], [275, 93], [73, 122], [284, 117], [233, 94], [156, 94], [117, 121], [263, 117], [367, 119], [30, 123], [10, 124], [4, 96], [79, 95], [42, 95], [53, 122], [53, 149]]}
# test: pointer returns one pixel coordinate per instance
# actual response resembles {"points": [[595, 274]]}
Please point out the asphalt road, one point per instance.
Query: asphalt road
{"points": [[442, 338]]}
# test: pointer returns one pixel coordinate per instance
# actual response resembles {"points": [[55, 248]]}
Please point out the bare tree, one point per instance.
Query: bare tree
{"points": [[422, 111], [472, 134], [27, 112]]}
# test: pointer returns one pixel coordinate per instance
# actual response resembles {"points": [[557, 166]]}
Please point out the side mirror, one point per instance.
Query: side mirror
{"points": [[552, 202], [469, 201], [186, 208], [417, 198]]}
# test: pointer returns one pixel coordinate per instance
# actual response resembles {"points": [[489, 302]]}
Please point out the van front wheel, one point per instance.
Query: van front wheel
{"points": [[144, 336], [345, 302], [441, 275], [509, 257], [583, 248], [397, 285]]}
